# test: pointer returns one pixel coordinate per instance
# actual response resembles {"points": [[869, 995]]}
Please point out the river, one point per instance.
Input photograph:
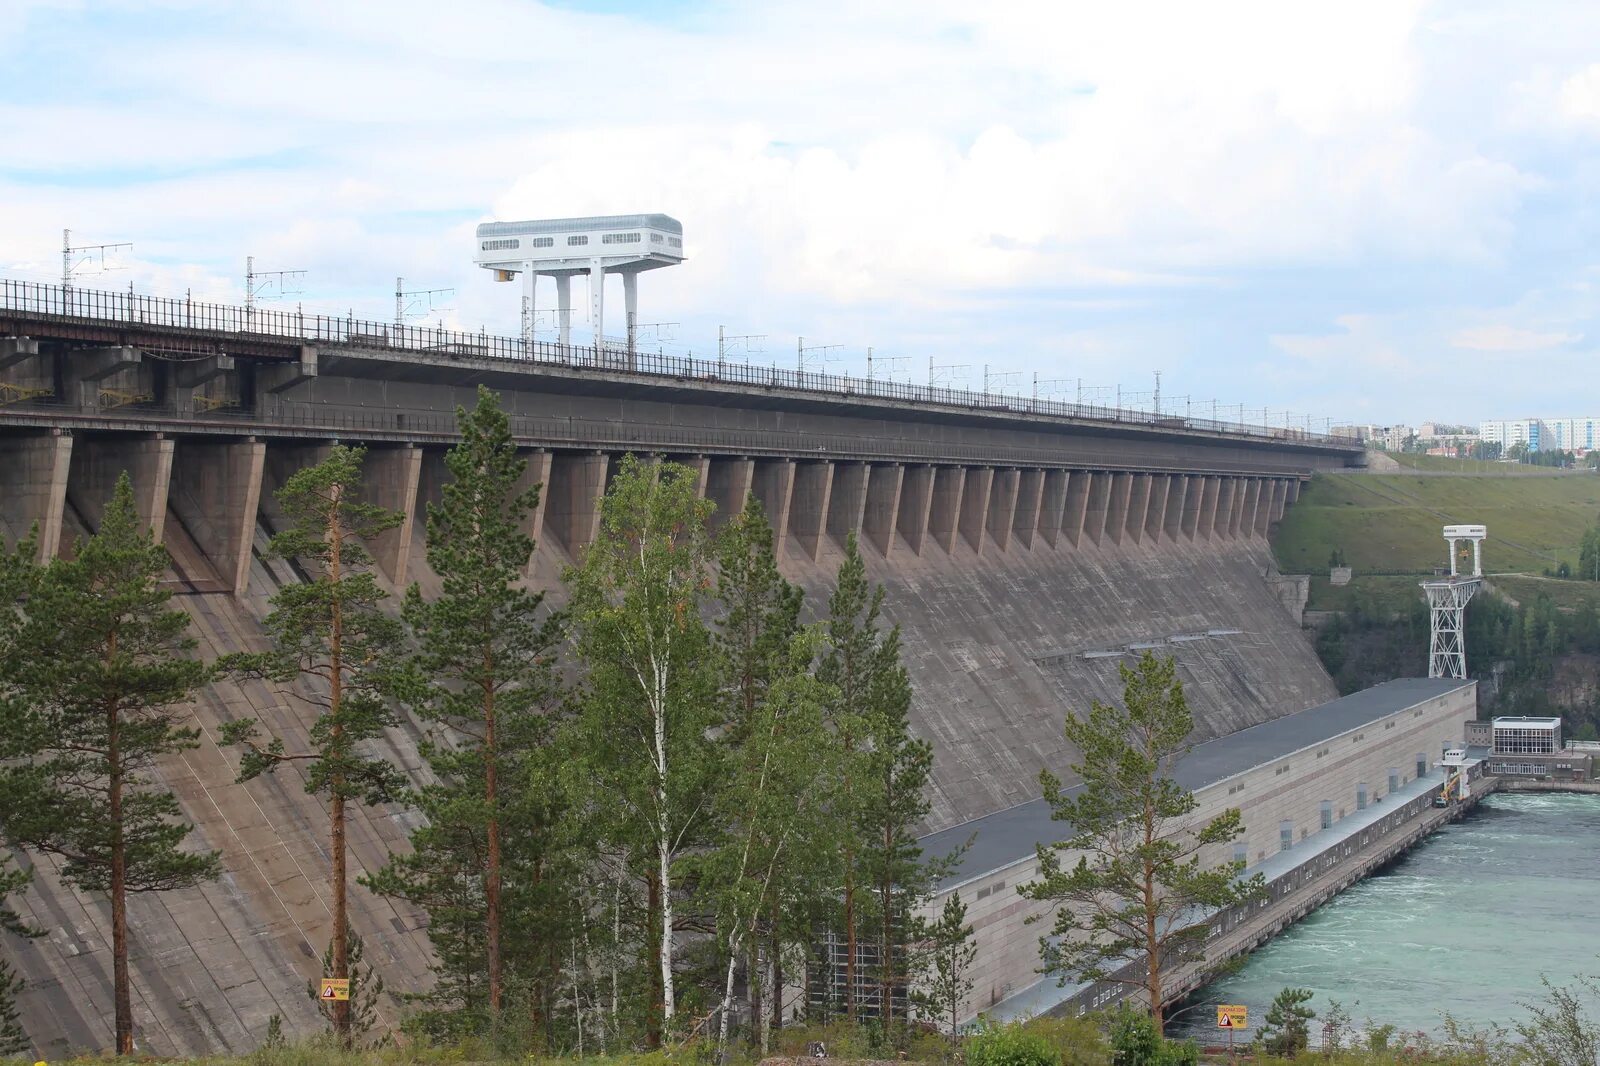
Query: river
{"points": [[1466, 922]]}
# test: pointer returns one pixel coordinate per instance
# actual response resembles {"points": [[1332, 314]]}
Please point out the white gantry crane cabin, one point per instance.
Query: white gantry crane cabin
{"points": [[564, 247], [1447, 602]]}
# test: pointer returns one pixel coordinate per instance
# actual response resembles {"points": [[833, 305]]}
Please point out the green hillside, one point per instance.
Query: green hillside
{"points": [[1390, 525]]}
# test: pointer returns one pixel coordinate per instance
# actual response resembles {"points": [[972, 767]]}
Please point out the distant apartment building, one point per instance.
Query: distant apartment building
{"points": [[1544, 434]]}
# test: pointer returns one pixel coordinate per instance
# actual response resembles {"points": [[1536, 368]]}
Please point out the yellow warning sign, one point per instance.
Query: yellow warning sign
{"points": [[1232, 1016], [336, 989]]}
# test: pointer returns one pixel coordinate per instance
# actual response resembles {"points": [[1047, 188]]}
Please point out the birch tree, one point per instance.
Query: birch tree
{"points": [[648, 703], [332, 635]]}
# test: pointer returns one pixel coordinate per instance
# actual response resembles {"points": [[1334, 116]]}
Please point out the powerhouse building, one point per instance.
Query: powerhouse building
{"points": [[1316, 789]]}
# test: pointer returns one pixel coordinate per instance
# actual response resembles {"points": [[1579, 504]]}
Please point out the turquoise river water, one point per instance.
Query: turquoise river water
{"points": [[1465, 923]]}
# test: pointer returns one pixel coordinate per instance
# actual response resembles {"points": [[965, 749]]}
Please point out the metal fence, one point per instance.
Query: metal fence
{"points": [[222, 321]]}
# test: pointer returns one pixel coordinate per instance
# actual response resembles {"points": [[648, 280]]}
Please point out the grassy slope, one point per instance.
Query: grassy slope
{"points": [[1390, 525]]}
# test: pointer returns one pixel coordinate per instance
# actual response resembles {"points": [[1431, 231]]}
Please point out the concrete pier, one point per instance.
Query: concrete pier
{"points": [[885, 484], [808, 507], [97, 463], [390, 479], [847, 502], [215, 493], [577, 482], [916, 506], [33, 479], [975, 506], [1002, 514], [773, 485], [944, 520], [1030, 497], [727, 485]]}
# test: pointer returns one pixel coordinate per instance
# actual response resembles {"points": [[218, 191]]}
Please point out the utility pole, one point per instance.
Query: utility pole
{"points": [[1158, 394], [266, 278], [404, 301], [70, 265], [726, 343], [801, 350]]}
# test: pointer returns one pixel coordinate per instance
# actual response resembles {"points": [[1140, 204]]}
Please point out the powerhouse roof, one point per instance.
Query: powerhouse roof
{"points": [[665, 223], [1002, 838]]}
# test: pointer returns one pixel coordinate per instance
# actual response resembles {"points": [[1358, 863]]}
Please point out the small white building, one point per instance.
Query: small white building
{"points": [[1518, 735], [595, 246]]}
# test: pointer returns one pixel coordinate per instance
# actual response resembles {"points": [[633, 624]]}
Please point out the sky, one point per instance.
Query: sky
{"points": [[1364, 212]]}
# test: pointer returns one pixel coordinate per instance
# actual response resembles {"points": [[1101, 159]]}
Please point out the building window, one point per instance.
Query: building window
{"points": [[619, 238], [656, 238], [1361, 796], [544, 242], [1394, 779], [1422, 765], [500, 245], [1285, 835], [675, 242], [573, 242], [1241, 853], [1327, 814]]}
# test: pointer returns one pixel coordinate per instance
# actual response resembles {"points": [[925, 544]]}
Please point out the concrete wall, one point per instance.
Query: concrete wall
{"points": [[998, 577]]}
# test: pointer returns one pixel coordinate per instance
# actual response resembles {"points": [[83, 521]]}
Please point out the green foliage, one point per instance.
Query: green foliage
{"points": [[13, 1040], [330, 634], [648, 704], [948, 957], [771, 864], [884, 772], [1013, 1044], [1077, 1040], [366, 994], [330, 629], [1286, 1029], [98, 664], [482, 677], [1139, 870]]}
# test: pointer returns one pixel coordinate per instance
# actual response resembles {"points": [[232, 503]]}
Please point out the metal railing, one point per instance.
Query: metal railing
{"points": [[221, 321]]}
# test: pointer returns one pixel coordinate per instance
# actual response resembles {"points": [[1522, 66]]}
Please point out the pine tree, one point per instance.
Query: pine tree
{"points": [[1286, 1028], [366, 992], [1134, 875], [102, 663], [649, 698], [848, 670], [884, 773], [774, 801], [483, 676], [17, 572], [13, 1040], [332, 632], [947, 961]]}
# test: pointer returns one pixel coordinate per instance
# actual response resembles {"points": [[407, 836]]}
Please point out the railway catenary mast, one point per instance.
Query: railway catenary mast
{"points": [[596, 246]]}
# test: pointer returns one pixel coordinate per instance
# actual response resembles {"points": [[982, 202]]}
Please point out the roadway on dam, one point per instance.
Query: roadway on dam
{"points": [[1465, 923]]}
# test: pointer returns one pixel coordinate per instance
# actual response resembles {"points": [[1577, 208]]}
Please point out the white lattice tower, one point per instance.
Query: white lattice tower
{"points": [[1447, 605]]}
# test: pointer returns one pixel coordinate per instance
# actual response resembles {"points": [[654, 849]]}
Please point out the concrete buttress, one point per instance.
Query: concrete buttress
{"points": [[916, 505], [215, 494], [1030, 495], [537, 473], [577, 482], [34, 469], [847, 503], [1139, 506], [808, 506], [390, 477], [975, 505], [885, 484], [728, 482], [944, 518], [1155, 519], [1053, 505], [1117, 507], [1222, 524], [1080, 485], [1177, 508], [1206, 521], [1002, 516], [773, 486], [1099, 506], [98, 462]]}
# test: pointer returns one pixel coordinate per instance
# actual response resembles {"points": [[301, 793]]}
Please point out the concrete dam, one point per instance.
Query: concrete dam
{"points": [[1027, 548]]}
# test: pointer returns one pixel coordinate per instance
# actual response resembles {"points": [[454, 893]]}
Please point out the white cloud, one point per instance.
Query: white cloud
{"points": [[1503, 338]]}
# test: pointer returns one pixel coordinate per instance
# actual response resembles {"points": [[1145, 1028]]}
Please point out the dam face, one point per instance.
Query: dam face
{"points": [[1025, 553]]}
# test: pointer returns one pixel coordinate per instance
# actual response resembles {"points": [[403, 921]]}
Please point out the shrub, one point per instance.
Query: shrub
{"points": [[1077, 1041], [1011, 1045]]}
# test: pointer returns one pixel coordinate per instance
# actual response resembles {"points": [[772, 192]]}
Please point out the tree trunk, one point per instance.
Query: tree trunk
{"points": [[122, 993], [653, 916], [491, 880], [777, 971], [753, 977], [341, 917], [849, 947]]}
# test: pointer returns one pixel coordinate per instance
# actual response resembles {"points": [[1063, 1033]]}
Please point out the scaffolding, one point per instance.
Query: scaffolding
{"points": [[1447, 603]]}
